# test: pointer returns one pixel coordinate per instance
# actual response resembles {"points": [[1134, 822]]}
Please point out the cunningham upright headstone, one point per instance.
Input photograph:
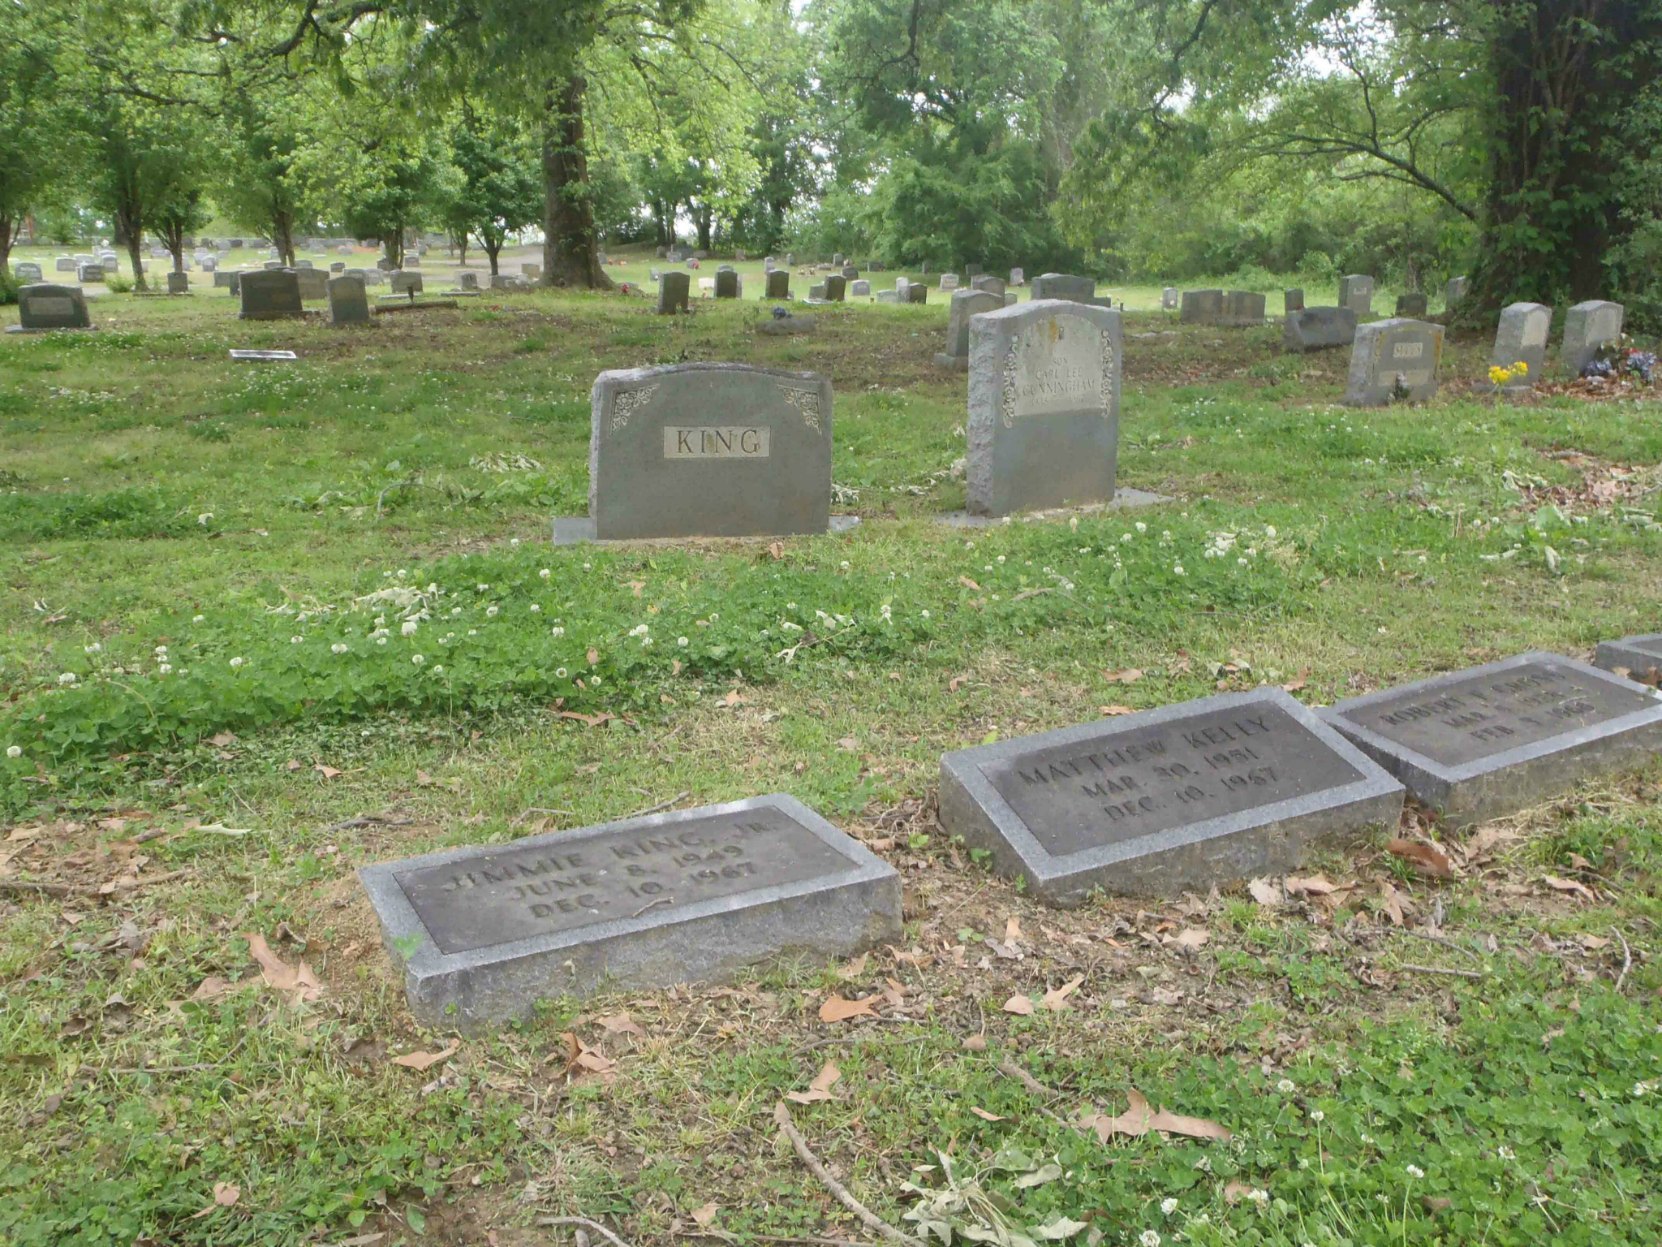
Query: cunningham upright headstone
{"points": [[1044, 404], [709, 450]]}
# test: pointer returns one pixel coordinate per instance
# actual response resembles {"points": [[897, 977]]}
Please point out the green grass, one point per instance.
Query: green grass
{"points": [[155, 495]]}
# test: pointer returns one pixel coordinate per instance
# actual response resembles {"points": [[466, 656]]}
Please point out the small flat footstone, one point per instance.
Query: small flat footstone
{"points": [[1492, 740], [259, 355], [484, 933], [1184, 796], [576, 530], [1124, 499], [1637, 657]]}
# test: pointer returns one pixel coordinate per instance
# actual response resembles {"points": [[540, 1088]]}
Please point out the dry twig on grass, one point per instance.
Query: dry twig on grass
{"points": [[782, 1116]]}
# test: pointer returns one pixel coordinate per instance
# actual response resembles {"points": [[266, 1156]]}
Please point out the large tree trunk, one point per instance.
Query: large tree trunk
{"points": [[282, 235], [492, 250], [129, 227], [704, 231], [394, 244], [1565, 71], [570, 250], [8, 229]]}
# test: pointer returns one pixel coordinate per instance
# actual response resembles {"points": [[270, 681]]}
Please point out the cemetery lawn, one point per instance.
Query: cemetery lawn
{"points": [[1398, 1058]]}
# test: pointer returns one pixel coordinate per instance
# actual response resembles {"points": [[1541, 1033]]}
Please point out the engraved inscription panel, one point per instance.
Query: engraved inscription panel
{"points": [[1059, 365], [51, 305], [711, 442], [507, 893], [1132, 783], [1467, 720], [1408, 350]]}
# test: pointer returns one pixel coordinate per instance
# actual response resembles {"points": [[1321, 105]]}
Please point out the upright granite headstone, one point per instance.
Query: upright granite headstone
{"points": [[226, 281], [65, 264], [1242, 309], [1064, 286], [209, 263], [1168, 299], [1391, 359], [1457, 287], [42, 306], [1491, 740], [348, 301], [178, 283], [1182, 797], [337, 267], [314, 283], [1412, 303], [860, 288], [467, 280], [949, 281], [404, 282], [484, 933], [1292, 300], [1313, 328], [89, 272], [778, 284], [850, 272], [816, 292], [1522, 338], [965, 304], [709, 450], [270, 294], [1201, 307], [989, 283], [26, 272], [836, 288], [1044, 403], [1587, 327], [917, 292], [727, 284], [1356, 293], [1018, 277], [1635, 657]]}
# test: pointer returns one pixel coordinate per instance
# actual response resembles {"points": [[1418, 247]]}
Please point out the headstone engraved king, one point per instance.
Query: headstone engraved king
{"points": [[485, 933], [709, 450], [1491, 740], [1395, 358], [1637, 657], [1181, 797], [1044, 404]]}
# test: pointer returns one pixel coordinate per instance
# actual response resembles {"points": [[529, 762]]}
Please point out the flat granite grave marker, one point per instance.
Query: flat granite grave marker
{"points": [[44, 306], [707, 450], [263, 356], [1492, 740], [404, 282], [1356, 293], [269, 295], [1184, 796], [1044, 404], [1588, 326], [1522, 338], [965, 304], [485, 933], [348, 301], [1637, 657], [1394, 358], [949, 281], [1313, 328]]}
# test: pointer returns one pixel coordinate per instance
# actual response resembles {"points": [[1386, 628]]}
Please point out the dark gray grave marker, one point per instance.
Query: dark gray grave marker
{"points": [[1201, 307], [483, 934], [1491, 740], [1313, 328], [1637, 657], [348, 301], [778, 284], [1356, 293], [269, 295], [1587, 327], [1391, 359], [673, 291], [43, 306], [965, 304], [1181, 797]]}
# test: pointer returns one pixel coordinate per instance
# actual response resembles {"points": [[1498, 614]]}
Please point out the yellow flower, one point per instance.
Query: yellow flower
{"points": [[1498, 375]]}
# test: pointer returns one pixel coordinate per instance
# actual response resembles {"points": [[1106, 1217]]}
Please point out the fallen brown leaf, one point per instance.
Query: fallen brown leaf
{"points": [[1139, 1119], [1056, 998], [1191, 939], [1315, 885], [1012, 930], [705, 1217], [1111, 712], [328, 772], [1266, 892], [975, 1043], [984, 1115], [854, 969], [1018, 1004], [836, 1009], [421, 1061], [211, 988], [1569, 885], [820, 1088], [1129, 676], [1426, 858], [296, 981], [620, 1024], [1391, 902], [226, 1194]]}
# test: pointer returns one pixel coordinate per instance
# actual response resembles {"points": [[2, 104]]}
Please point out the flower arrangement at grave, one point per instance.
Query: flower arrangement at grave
{"points": [[1500, 375], [1621, 361]]}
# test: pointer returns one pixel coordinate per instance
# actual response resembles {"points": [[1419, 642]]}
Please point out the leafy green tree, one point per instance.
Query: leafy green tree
{"points": [[38, 138], [500, 191]]}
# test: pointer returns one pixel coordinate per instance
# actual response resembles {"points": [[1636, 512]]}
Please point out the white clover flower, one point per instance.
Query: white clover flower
{"points": [[1125, 537], [296, 640], [1177, 570], [438, 670], [455, 612], [197, 618], [403, 572], [513, 541], [1414, 1171], [545, 573], [160, 651], [999, 559], [490, 611], [1140, 526], [1643, 1089], [409, 627], [1506, 1153], [14, 751], [1168, 1205], [645, 642], [482, 588], [473, 632], [1149, 1238], [205, 518], [1261, 1198], [380, 640], [165, 669], [640, 630], [1286, 1086], [417, 659], [588, 567], [94, 648], [236, 662], [681, 642], [1318, 1116], [556, 630], [559, 673], [1240, 562], [67, 678], [925, 614], [1269, 530], [535, 609], [1366, 1138], [845, 565]]}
